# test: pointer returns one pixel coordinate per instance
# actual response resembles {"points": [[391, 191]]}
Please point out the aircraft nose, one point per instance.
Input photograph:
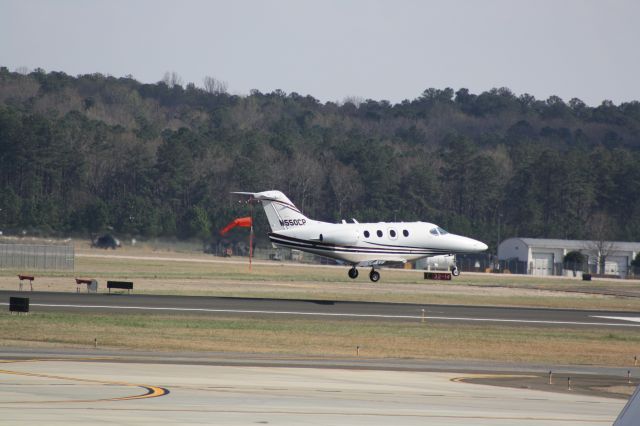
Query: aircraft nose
{"points": [[478, 245]]}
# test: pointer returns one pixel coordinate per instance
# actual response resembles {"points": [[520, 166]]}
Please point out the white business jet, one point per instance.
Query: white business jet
{"points": [[358, 244]]}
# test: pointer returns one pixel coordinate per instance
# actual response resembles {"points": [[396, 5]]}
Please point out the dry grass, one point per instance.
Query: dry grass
{"points": [[321, 339]]}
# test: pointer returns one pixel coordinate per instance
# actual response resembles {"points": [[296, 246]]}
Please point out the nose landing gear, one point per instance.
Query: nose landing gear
{"points": [[455, 271]]}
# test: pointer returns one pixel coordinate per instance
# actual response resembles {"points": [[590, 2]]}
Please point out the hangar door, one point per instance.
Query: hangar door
{"points": [[615, 265], [542, 264]]}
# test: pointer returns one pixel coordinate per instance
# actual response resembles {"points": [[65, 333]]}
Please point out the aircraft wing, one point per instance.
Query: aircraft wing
{"points": [[631, 412]]}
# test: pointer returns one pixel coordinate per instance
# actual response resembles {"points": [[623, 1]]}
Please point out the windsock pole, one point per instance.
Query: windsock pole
{"points": [[251, 235], [250, 246], [245, 222]]}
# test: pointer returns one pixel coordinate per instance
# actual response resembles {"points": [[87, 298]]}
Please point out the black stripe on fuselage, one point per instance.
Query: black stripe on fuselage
{"points": [[317, 245]]}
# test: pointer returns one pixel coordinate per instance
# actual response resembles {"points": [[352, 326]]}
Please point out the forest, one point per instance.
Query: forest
{"points": [[83, 154]]}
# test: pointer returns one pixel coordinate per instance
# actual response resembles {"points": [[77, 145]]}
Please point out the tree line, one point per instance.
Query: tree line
{"points": [[89, 153]]}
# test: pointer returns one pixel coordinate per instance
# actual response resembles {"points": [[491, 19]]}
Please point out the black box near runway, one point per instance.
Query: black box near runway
{"points": [[19, 304]]}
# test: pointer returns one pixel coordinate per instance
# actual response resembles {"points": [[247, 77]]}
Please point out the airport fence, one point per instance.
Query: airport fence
{"points": [[30, 257]]}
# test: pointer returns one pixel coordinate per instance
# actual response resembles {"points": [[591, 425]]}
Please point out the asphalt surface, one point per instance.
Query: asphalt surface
{"points": [[319, 309], [70, 391]]}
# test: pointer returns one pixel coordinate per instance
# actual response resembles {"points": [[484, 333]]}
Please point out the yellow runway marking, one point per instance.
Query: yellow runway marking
{"points": [[151, 391]]}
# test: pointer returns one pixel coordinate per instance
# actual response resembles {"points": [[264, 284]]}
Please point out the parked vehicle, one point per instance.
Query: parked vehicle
{"points": [[107, 241]]}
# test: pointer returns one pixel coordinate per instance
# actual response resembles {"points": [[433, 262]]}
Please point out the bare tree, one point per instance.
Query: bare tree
{"points": [[214, 86], [172, 79], [22, 70], [601, 246], [346, 185], [356, 101], [306, 174]]}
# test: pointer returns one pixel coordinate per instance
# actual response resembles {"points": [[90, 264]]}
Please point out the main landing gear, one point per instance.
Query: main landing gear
{"points": [[353, 273], [373, 275]]}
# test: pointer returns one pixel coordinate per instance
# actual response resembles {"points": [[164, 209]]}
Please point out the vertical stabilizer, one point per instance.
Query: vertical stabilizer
{"points": [[281, 212]]}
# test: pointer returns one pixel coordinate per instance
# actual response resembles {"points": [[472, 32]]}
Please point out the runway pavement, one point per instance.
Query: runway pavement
{"points": [[318, 309], [69, 390]]}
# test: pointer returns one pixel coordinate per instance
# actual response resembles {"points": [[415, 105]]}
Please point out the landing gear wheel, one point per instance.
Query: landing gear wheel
{"points": [[455, 271], [374, 276], [353, 273]]}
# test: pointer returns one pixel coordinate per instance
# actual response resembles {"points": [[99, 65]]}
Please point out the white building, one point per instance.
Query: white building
{"points": [[540, 256], [436, 263]]}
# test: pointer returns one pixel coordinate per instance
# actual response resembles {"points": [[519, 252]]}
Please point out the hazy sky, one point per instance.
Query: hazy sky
{"points": [[332, 49]]}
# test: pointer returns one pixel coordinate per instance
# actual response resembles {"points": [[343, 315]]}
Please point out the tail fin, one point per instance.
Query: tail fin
{"points": [[281, 212]]}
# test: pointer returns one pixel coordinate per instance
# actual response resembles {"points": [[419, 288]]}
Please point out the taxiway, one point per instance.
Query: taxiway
{"points": [[79, 390]]}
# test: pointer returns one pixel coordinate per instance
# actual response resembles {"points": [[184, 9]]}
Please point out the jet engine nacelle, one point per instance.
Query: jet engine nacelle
{"points": [[342, 238]]}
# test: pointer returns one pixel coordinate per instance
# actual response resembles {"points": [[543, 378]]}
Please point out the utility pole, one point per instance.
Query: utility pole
{"points": [[499, 224]]}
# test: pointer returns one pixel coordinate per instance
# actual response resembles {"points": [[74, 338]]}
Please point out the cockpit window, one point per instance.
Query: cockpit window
{"points": [[437, 231]]}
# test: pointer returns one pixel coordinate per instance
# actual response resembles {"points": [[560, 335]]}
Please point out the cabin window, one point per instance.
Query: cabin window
{"points": [[405, 232], [379, 233], [366, 234], [392, 234], [434, 231]]}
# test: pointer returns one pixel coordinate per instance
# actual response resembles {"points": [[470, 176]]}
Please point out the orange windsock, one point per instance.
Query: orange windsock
{"points": [[241, 221]]}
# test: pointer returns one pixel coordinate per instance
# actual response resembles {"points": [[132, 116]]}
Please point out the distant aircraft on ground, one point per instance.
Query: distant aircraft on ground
{"points": [[358, 244]]}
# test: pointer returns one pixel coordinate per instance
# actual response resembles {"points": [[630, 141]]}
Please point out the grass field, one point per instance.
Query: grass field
{"points": [[304, 337], [198, 274]]}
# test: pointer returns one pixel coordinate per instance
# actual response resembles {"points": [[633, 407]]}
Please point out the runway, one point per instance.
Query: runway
{"points": [[65, 386], [319, 309], [89, 390]]}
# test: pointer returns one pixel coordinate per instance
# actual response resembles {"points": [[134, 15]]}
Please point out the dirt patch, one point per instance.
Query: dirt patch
{"points": [[607, 386]]}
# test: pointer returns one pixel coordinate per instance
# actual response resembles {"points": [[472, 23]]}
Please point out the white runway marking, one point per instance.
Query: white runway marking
{"points": [[632, 319], [339, 315]]}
